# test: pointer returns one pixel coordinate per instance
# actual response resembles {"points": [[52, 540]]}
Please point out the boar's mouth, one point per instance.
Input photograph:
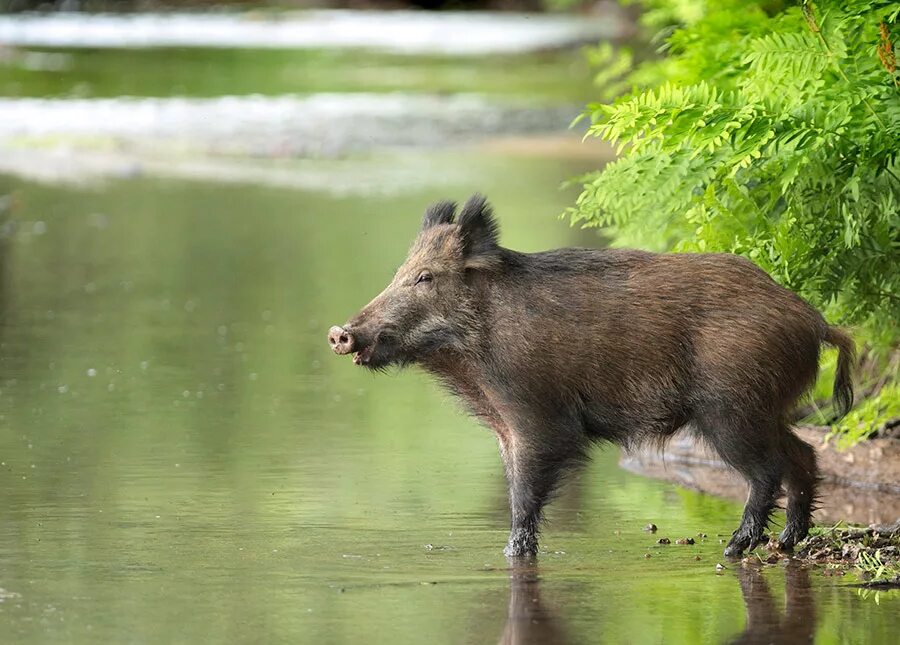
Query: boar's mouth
{"points": [[378, 353], [364, 355]]}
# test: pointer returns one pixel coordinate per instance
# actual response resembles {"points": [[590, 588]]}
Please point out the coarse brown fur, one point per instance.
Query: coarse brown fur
{"points": [[557, 350]]}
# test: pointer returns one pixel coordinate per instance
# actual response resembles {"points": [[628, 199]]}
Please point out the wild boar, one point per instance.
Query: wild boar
{"points": [[557, 350]]}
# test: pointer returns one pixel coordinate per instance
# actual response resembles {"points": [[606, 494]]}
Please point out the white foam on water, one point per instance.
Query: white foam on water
{"points": [[319, 125], [410, 32], [298, 141], [367, 176]]}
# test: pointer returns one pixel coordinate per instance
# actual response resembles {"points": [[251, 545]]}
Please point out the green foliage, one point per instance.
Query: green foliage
{"points": [[771, 132], [611, 65], [768, 132], [873, 565], [867, 417], [875, 570]]}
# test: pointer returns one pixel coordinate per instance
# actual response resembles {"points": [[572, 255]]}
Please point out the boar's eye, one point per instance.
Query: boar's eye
{"points": [[425, 276]]}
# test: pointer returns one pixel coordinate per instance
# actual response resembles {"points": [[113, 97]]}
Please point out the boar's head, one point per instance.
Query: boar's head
{"points": [[428, 306]]}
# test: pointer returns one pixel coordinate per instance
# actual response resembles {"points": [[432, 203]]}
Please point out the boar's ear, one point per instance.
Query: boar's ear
{"points": [[439, 213], [479, 232]]}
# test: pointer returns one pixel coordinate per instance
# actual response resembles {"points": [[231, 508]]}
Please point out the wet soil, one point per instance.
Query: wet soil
{"points": [[859, 485]]}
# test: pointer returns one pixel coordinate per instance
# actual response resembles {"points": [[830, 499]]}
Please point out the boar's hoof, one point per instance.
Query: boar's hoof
{"points": [[341, 340], [522, 544], [742, 540], [789, 537], [733, 551], [514, 551]]}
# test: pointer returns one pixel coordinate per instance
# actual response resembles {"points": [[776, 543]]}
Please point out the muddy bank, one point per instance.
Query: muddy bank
{"points": [[860, 485], [874, 551]]}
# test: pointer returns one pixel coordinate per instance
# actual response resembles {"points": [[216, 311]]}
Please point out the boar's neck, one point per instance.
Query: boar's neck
{"points": [[522, 312], [471, 369]]}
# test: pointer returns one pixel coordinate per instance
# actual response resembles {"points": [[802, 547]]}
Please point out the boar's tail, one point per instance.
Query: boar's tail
{"points": [[843, 380]]}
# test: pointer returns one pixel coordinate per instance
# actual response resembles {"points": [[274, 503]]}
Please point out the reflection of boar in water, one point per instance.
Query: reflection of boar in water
{"points": [[559, 349]]}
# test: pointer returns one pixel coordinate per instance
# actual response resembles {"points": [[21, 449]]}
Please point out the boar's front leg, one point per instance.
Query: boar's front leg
{"points": [[535, 460], [529, 488]]}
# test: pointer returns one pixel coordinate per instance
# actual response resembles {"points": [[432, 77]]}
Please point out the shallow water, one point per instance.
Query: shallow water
{"points": [[183, 460]]}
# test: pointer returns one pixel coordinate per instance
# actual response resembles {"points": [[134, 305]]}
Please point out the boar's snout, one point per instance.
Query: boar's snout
{"points": [[341, 340]]}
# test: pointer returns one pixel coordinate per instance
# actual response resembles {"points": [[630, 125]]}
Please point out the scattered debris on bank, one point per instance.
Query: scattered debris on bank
{"points": [[873, 552]]}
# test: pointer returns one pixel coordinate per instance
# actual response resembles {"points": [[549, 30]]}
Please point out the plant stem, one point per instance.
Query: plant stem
{"points": [[814, 27]]}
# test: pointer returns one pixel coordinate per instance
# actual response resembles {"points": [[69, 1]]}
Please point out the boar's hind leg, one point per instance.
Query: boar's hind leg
{"points": [[801, 476], [764, 487], [533, 470], [747, 448]]}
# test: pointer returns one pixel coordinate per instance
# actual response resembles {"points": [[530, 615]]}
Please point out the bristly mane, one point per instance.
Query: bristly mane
{"points": [[479, 229], [439, 213]]}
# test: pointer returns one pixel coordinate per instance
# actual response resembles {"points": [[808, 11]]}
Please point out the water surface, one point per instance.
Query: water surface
{"points": [[183, 459]]}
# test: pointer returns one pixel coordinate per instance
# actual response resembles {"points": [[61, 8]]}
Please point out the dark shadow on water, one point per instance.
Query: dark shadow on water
{"points": [[765, 624], [528, 618]]}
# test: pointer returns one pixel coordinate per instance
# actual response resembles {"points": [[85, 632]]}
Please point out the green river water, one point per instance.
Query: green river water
{"points": [[183, 460]]}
